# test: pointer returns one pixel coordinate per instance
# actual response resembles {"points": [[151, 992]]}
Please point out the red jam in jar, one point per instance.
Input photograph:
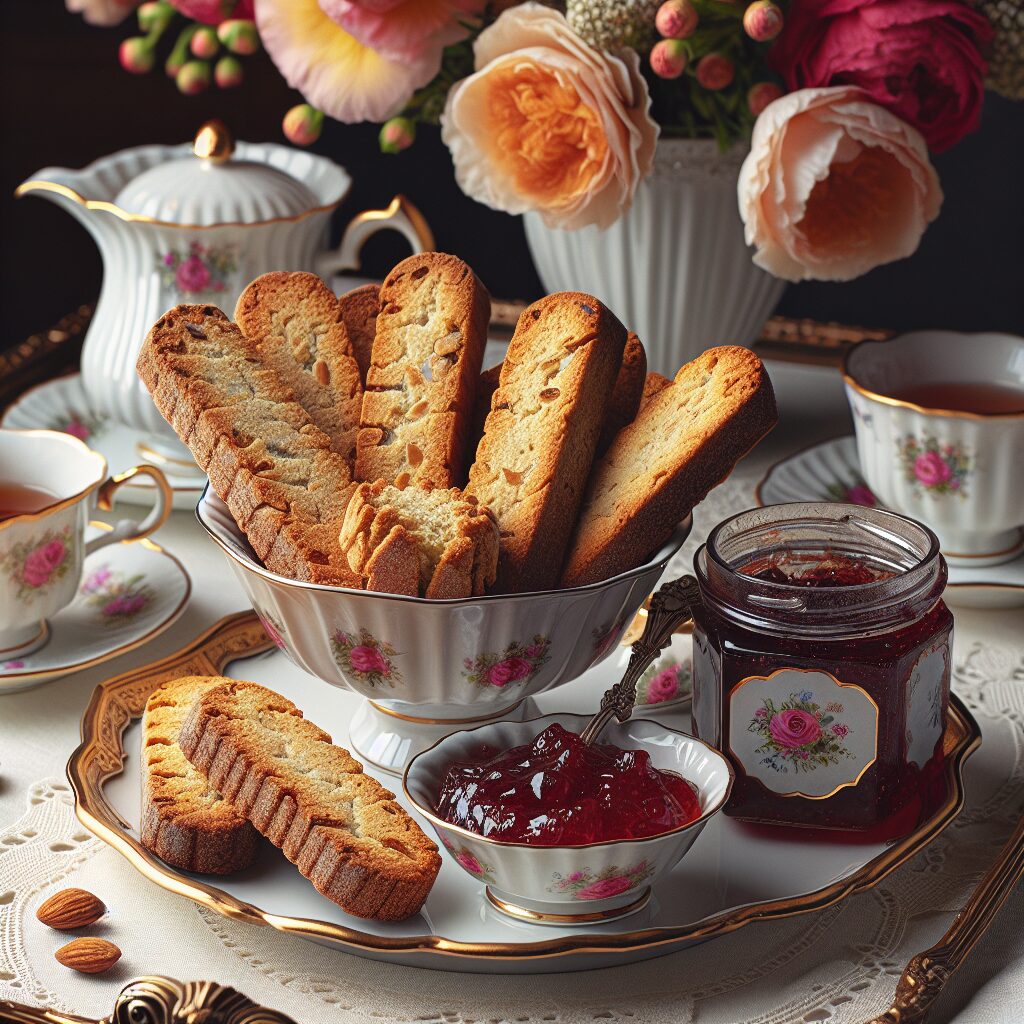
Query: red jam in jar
{"points": [[557, 791], [821, 657]]}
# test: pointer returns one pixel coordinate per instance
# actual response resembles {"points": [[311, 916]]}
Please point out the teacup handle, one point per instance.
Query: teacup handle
{"points": [[131, 529], [400, 215]]}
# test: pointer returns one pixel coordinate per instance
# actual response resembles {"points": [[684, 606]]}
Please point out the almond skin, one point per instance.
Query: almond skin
{"points": [[88, 955], [71, 908]]}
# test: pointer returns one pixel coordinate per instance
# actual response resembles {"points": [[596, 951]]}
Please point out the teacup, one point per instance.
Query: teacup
{"points": [[42, 552], [957, 470]]}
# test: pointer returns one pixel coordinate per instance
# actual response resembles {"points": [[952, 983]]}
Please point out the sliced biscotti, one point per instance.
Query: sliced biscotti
{"points": [[539, 440], [653, 385], [683, 442], [298, 322], [185, 821], [627, 392], [359, 309], [275, 470], [421, 540], [342, 829], [418, 402]]}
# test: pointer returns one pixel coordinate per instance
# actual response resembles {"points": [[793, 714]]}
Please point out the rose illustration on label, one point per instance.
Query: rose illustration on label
{"points": [[799, 733]]}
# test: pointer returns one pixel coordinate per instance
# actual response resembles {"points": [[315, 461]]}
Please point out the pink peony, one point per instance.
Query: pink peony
{"points": [[834, 186], [125, 605], [919, 59], [839, 729], [469, 862], [404, 29], [369, 660], [102, 12], [794, 728], [664, 686], [605, 888], [192, 275], [931, 469], [508, 671], [42, 562]]}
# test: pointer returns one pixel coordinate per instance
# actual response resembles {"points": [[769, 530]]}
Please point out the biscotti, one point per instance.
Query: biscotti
{"points": [[341, 828], [420, 387], [539, 439], [421, 541], [627, 392], [653, 385], [268, 462], [683, 442], [296, 317], [186, 822], [359, 309]]}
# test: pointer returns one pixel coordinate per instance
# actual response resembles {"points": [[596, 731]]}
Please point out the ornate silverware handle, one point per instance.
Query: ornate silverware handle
{"points": [[927, 972], [670, 607]]}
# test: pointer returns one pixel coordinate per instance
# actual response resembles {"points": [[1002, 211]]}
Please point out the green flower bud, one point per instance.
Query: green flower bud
{"points": [[397, 134], [239, 36], [194, 77]]}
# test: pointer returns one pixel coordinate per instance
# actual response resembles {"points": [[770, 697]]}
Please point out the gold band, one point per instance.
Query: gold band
{"points": [[541, 917], [500, 713]]}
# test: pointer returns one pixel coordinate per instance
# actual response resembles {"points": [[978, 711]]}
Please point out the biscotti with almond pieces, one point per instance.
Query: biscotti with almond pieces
{"points": [[295, 317], [420, 387], [274, 469], [185, 821], [627, 392], [342, 829], [540, 436], [684, 441], [359, 309], [420, 540]]}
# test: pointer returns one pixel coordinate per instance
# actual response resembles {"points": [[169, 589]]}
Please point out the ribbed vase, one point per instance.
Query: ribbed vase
{"points": [[675, 268]]}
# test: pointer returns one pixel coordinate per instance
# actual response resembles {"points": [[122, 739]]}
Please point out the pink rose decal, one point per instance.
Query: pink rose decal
{"points": [[931, 469], [42, 563], [125, 605], [518, 661], [192, 275], [272, 631], [469, 862], [369, 660], [605, 888], [664, 686], [861, 495], [794, 728], [76, 428]]}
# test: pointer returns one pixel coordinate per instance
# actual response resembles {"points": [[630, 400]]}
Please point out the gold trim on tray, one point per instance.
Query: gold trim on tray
{"points": [[100, 757]]}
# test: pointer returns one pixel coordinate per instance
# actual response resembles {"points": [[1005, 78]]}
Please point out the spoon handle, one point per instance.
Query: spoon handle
{"points": [[670, 607]]}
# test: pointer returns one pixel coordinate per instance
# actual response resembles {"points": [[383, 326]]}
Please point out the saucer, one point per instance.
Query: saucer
{"points": [[830, 471], [668, 683], [130, 593], [62, 404]]}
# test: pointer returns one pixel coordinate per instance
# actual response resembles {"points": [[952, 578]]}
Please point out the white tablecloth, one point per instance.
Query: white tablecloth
{"points": [[839, 965]]}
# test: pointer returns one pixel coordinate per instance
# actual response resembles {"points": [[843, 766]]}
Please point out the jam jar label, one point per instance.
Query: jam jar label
{"points": [[802, 733], [928, 679]]}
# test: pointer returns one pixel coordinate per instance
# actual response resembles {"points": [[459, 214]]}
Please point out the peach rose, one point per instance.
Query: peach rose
{"points": [[548, 123], [834, 186]]}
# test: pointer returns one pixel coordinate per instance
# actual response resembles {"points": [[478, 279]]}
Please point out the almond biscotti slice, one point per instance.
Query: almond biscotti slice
{"points": [[186, 822], [421, 540], [418, 402], [297, 322], [684, 441], [539, 440], [341, 828], [285, 487], [653, 385], [359, 309], [627, 392]]}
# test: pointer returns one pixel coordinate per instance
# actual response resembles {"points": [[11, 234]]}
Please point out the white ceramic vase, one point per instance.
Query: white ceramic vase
{"points": [[675, 268]]}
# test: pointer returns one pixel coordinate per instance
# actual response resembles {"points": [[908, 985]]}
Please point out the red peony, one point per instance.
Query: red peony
{"points": [[918, 58]]}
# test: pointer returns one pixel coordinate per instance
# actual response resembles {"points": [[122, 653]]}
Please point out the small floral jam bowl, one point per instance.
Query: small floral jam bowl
{"points": [[958, 472], [42, 552], [575, 885]]}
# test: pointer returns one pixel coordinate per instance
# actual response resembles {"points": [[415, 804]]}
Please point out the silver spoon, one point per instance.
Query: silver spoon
{"points": [[670, 607]]}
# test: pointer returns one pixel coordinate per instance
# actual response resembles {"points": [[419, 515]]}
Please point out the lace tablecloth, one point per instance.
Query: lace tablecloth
{"points": [[839, 965]]}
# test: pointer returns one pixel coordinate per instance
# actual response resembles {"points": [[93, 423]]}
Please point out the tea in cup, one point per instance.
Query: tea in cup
{"points": [[49, 484]]}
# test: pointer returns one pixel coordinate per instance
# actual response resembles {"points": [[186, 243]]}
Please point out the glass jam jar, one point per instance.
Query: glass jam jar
{"points": [[821, 660]]}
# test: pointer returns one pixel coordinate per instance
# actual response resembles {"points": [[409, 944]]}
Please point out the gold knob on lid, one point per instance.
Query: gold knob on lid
{"points": [[213, 142]]}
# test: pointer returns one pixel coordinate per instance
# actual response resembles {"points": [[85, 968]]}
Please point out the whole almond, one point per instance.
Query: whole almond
{"points": [[71, 908], [88, 955]]}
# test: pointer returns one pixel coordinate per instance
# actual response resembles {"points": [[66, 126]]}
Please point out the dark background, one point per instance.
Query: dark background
{"points": [[66, 101]]}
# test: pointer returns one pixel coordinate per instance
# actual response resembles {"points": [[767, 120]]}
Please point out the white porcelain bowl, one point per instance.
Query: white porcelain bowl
{"points": [[587, 884], [428, 667], [958, 472]]}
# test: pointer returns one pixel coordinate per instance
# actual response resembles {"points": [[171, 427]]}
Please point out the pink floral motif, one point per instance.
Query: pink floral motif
{"points": [[511, 670], [938, 468], [369, 659], [667, 680], [605, 888], [518, 662], [118, 596], [198, 269], [364, 656], [34, 565], [604, 637], [840, 730], [612, 881], [43, 562], [76, 428], [470, 862], [794, 728], [272, 628], [860, 494], [192, 275], [17, 663]]}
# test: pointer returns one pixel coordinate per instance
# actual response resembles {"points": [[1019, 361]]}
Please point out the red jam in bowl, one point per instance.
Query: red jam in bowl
{"points": [[557, 791]]}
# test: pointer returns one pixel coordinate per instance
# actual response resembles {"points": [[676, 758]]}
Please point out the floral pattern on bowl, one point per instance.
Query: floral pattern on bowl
{"points": [[856, 493], [667, 681], [938, 468], [799, 733], [197, 270], [516, 664], [468, 862], [602, 885], [118, 596], [273, 629], [33, 566], [364, 657]]}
